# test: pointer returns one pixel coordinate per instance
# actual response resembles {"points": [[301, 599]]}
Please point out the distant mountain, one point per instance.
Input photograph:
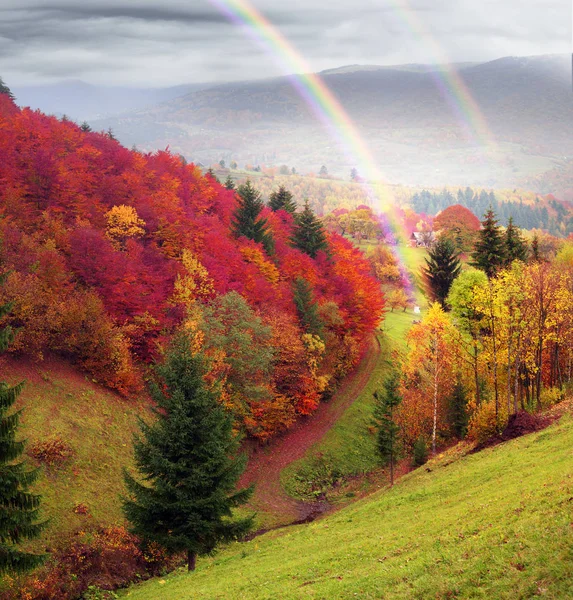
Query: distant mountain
{"points": [[416, 120], [82, 101]]}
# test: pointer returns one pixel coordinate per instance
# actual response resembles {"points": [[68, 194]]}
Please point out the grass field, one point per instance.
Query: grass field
{"points": [[96, 425], [497, 524]]}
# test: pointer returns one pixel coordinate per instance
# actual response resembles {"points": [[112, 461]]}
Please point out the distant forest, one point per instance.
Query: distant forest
{"points": [[551, 215]]}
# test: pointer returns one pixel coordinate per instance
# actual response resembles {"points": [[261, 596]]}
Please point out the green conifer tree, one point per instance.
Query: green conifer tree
{"points": [[247, 220], [535, 253], [229, 183], [187, 463], [19, 509], [308, 234], [4, 89], [307, 307], [457, 409], [282, 200], [211, 174], [442, 267], [387, 401], [489, 251], [515, 245], [85, 127]]}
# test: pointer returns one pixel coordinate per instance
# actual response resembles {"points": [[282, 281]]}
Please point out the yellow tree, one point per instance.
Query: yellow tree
{"points": [[123, 223], [430, 362]]}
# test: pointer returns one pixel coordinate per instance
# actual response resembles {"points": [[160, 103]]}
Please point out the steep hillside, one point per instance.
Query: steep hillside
{"points": [[496, 524], [110, 250], [80, 435], [418, 122]]}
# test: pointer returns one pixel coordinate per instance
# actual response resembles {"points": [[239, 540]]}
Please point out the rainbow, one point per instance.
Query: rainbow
{"points": [[332, 114]]}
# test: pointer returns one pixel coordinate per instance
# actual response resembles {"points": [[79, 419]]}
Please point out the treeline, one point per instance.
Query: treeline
{"points": [[551, 215]]}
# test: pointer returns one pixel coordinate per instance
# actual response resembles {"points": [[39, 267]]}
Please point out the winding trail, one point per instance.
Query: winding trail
{"points": [[266, 462]]}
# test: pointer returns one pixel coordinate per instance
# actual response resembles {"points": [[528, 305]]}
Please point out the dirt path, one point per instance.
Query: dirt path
{"points": [[267, 462]]}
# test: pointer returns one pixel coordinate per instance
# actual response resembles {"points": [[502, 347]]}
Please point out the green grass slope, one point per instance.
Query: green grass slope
{"points": [[497, 524], [97, 426]]}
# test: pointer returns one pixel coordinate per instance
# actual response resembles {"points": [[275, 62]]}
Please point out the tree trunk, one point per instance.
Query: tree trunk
{"points": [[435, 398], [191, 560]]}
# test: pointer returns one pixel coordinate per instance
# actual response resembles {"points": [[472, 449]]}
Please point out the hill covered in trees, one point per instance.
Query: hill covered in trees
{"points": [[110, 250]]}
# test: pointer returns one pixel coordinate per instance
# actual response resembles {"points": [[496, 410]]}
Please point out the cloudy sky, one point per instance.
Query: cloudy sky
{"points": [[169, 42]]}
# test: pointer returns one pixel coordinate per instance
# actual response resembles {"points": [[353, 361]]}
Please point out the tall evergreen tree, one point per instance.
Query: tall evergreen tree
{"points": [[187, 464], [442, 267], [489, 251], [19, 509], [387, 401], [457, 409], [308, 234], [307, 307], [229, 183], [210, 173], [4, 89], [85, 127], [535, 253], [282, 200], [515, 245], [247, 220]]}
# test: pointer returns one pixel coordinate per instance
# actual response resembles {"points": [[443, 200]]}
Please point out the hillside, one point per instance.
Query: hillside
{"points": [[496, 524], [109, 251], [415, 120]]}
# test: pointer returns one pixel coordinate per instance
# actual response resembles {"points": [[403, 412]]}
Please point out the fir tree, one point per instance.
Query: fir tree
{"points": [[457, 408], [187, 464], [535, 253], [111, 135], [515, 245], [85, 127], [387, 401], [19, 509], [247, 221], [442, 267], [229, 183], [307, 307], [211, 174], [308, 234], [489, 252], [282, 200], [4, 89]]}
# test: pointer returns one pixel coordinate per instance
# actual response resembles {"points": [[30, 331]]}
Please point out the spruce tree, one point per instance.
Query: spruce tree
{"points": [[442, 267], [535, 253], [247, 221], [187, 464], [282, 200], [308, 234], [489, 251], [85, 127], [229, 183], [19, 509], [306, 307], [515, 245], [4, 89], [457, 410], [211, 174], [387, 401]]}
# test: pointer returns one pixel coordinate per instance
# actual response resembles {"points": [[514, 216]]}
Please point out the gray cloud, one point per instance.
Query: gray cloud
{"points": [[178, 41]]}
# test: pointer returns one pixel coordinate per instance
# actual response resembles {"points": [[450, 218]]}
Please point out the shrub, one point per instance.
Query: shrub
{"points": [[551, 396], [94, 565], [54, 451], [483, 426]]}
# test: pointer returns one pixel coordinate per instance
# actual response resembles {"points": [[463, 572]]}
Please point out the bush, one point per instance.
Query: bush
{"points": [[54, 451], [551, 396], [483, 426], [420, 455], [92, 567]]}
